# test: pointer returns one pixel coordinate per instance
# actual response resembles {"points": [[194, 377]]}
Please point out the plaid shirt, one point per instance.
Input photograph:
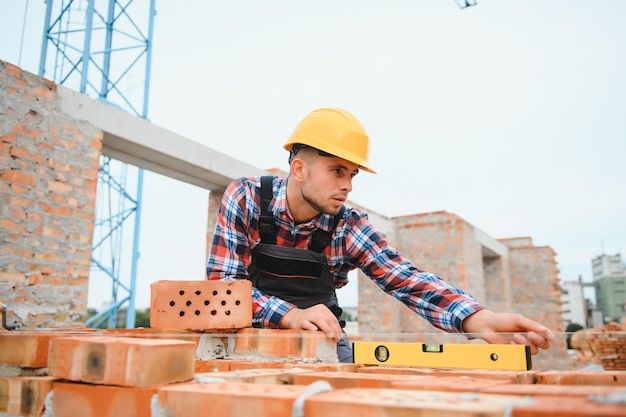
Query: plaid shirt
{"points": [[355, 244]]}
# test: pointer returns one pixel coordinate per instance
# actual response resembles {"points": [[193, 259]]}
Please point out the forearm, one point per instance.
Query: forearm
{"points": [[268, 311], [448, 309], [444, 306]]}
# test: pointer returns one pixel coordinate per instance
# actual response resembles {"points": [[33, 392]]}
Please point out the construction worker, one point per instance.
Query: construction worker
{"points": [[296, 241]]}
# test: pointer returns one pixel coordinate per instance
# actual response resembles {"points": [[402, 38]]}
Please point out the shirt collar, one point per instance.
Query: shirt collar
{"points": [[280, 209]]}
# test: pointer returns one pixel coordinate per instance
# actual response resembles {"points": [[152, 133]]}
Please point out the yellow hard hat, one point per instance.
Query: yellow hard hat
{"points": [[336, 132]]}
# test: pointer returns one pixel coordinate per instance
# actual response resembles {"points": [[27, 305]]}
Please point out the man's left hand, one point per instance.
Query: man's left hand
{"points": [[505, 328]]}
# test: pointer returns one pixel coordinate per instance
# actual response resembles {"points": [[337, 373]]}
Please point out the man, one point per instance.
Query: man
{"points": [[296, 241]]}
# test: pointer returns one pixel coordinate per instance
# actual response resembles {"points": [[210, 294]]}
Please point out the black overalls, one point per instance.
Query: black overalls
{"points": [[299, 276]]}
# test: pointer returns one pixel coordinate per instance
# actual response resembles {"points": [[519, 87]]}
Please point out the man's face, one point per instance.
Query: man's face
{"points": [[327, 183]]}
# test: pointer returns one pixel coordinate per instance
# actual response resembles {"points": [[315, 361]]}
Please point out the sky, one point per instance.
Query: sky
{"points": [[510, 114]]}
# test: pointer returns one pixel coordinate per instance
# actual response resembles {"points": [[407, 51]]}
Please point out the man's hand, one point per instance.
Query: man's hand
{"points": [[507, 328], [317, 317]]}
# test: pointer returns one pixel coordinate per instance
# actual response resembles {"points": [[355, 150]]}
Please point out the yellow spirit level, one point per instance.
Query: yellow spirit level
{"points": [[479, 356]]}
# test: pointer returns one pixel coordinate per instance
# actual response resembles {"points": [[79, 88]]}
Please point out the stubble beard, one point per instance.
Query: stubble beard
{"points": [[317, 205]]}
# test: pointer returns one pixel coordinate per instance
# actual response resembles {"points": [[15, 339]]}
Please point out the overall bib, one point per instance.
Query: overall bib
{"points": [[299, 276]]}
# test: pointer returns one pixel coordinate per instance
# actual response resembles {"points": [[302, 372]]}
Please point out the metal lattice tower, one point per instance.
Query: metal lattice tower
{"points": [[102, 49]]}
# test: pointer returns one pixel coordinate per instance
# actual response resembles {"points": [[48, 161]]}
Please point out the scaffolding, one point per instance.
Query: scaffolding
{"points": [[103, 49]]}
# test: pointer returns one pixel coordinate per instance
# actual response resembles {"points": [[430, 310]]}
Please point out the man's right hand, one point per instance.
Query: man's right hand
{"points": [[317, 317]]}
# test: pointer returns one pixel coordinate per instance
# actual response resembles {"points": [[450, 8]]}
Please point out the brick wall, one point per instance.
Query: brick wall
{"points": [[48, 177], [378, 313], [535, 280], [534, 273]]}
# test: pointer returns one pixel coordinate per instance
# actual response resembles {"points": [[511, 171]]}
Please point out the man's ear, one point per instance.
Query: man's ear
{"points": [[298, 170]]}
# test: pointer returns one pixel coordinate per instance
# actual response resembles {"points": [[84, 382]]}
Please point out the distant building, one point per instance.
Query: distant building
{"points": [[608, 266], [574, 303], [609, 278]]}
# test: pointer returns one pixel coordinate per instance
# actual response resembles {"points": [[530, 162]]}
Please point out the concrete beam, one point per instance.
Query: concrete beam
{"points": [[491, 247], [137, 141]]}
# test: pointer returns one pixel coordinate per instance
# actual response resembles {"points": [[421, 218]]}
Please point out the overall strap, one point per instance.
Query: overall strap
{"points": [[266, 220], [267, 227], [321, 238]]}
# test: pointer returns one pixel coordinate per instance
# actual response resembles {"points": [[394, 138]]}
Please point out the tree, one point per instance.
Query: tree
{"points": [[570, 329], [142, 318]]}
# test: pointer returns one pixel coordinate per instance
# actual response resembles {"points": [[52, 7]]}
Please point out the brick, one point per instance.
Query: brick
{"points": [[18, 189], [55, 210], [518, 377], [43, 92], [13, 70], [24, 349], [24, 396], [76, 399], [26, 154], [242, 365], [391, 402], [6, 276], [150, 333], [229, 399], [121, 361], [59, 187], [582, 378], [550, 406], [285, 344], [213, 365], [5, 395], [224, 365], [342, 380], [553, 390], [447, 383], [255, 376], [17, 213], [263, 345], [322, 367], [388, 402], [18, 177], [201, 304], [8, 137]]}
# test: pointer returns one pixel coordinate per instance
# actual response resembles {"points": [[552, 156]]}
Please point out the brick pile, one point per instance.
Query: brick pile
{"points": [[604, 345], [233, 371]]}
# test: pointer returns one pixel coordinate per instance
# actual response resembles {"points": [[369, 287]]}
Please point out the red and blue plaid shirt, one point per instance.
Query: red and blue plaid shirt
{"points": [[355, 244]]}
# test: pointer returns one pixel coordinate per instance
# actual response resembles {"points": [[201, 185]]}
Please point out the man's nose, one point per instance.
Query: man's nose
{"points": [[346, 185]]}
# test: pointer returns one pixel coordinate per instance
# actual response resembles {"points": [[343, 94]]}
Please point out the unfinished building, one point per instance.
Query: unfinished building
{"points": [[51, 139]]}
